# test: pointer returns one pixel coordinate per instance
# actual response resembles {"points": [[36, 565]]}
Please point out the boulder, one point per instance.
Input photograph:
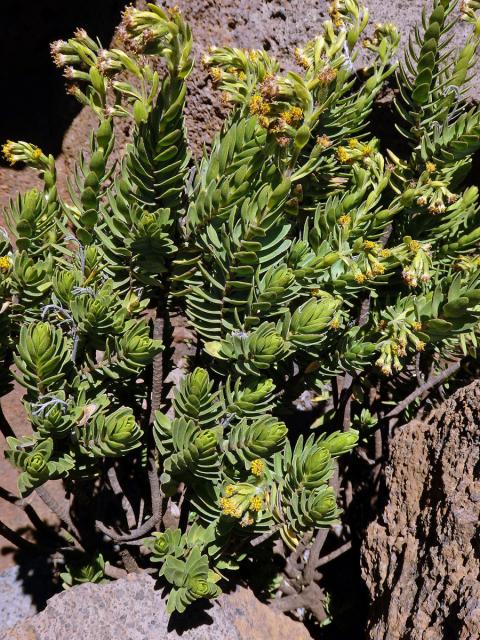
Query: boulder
{"points": [[420, 558], [133, 609]]}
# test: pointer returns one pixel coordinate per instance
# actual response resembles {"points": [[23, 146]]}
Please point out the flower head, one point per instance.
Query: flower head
{"points": [[24, 152], [343, 155], [292, 115], [327, 76], [258, 106], [269, 87], [229, 508], [5, 264], [300, 58], [215, 74], [378, 269], [258, 467], [324, 141], [256, 503], [7, 151]]}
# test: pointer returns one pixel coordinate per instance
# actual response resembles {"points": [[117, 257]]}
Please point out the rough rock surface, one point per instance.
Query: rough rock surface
{"points": [[131, 609], [421, 560], [15, 604]]}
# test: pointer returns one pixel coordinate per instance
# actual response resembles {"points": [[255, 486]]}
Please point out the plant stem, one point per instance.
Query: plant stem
{"points": [[155, 403], [118, 491], [135, 534], [334, 554], [429, 384], [314, 556], [129, 561], [61, 511], [312, 598], [114, 572]]}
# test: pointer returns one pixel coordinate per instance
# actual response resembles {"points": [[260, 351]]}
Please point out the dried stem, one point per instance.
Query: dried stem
{"points": [[314, 556], [135, 534], [429, 384], [312, 598], [118, 491], [155, 402], [334, 554], [265, 536], [114, 572], [61, 511], [129, 561], [293, 568], [26, 508]]}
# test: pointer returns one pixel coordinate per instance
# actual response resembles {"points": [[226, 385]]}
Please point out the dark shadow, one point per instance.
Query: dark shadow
{"points": [[197, 617], [36, 571], [35, 106]]}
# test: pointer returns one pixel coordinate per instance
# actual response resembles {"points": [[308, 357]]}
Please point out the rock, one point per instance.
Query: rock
{"points": [[132, 609], [15, 604], [421, 557]]}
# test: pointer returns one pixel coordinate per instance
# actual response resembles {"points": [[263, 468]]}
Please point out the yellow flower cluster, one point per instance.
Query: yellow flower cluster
{"points": [[335, 14], [300, 58], [335, 324], [344, 220], [229, 508], [16, 151], [292, 115], [327, 76], [359, 147], [378, 269], [258, 106], [258, 467], [215, 74], [7, 152], [256, 503], [5, 264], [343, 155]]}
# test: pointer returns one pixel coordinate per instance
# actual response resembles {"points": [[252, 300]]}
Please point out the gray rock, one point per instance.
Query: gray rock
{"points": [[15, 604], [132, 609]]}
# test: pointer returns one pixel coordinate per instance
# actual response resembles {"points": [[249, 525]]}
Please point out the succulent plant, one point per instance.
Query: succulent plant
{"points": [[297, 249]]}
